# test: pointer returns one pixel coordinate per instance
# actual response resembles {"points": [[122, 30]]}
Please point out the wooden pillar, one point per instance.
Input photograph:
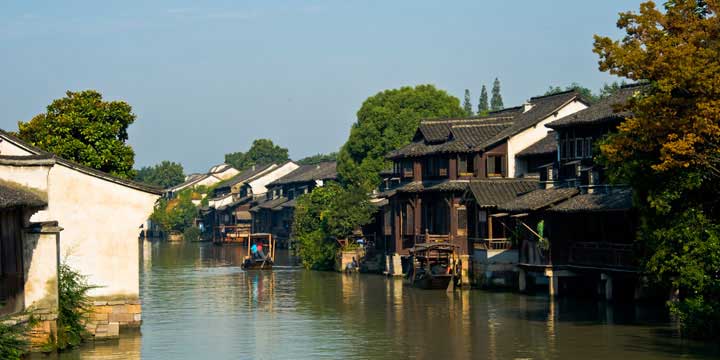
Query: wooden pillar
{"points": [[453, 170], [490, 226], [417, 170], [417, 212], [452, 208], [397, 229]]}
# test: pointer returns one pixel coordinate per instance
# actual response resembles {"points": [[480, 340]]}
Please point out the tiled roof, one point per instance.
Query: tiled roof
{"points": [[544, 146], [610, 200], [494, 192], [273, 203], [538, 199], [12, 195], [454, 135], [307, 173], [607, 109], [434, 186], [81, 168], [245, 175], [542, 107]]}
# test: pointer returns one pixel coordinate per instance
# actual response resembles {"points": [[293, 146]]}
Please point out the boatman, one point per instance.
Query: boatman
{"points": [[261, 255], [254, 251]]}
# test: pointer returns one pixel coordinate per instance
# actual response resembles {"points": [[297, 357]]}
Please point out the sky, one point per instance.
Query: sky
{"points": [[206, 78]]}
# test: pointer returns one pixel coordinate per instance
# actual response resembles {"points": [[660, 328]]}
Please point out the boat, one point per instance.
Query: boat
{"points": [[175, 236], [433, 265], [260, 263]]}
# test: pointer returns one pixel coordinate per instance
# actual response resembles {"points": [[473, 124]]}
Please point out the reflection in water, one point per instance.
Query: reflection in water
{"points": [[198, 303]]}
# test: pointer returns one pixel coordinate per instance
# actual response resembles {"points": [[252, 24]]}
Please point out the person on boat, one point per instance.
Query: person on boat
{"points": [[260, 253], [351, 266], [254, 251]]}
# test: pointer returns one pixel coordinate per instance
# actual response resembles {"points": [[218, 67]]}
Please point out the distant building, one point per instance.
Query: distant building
{"points": [[215, 175], [274, 213], [101, 215]]}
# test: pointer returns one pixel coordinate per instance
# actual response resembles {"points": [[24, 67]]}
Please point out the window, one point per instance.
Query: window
{"points": [[408, 220], [407, 169], [571, 148], [588, 147], [579, 148], [291, 194], [387, 221], [465, 165], [495, 165]]}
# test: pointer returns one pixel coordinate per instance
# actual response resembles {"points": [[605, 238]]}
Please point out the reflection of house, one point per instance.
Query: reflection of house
{"points": [[576, 230], [274, 214], [227, 215], [447, 155], [101, 216]]}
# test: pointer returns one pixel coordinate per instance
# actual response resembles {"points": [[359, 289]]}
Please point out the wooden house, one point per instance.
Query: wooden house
{"points": [[446, 156], [274, 214], [576, 227]]}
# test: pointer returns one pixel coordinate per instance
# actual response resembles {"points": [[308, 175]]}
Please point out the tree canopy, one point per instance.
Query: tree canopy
{"points": [[386, 121], [483, 107], [496, 101], [318, 158], [605, 91], [165, 174], [467, 104], [262, 151], [85, 129], [324, 215], [668, 149]]}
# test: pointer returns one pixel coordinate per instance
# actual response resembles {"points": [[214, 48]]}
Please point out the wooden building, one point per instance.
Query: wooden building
{"points": [[576, 229], [274, 214], [431, 175]]}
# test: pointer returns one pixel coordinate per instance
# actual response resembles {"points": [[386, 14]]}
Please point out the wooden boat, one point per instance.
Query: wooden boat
{"points": [[175, 236], [433, 265], [257, 263]]}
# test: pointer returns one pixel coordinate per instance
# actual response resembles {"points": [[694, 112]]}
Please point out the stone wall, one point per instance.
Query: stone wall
{"points": [[43, 332], [495, 268], [108, 317]]}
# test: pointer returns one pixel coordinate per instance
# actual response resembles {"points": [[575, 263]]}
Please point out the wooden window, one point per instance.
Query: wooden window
{"points": [[462, 221], [465, 165], [495, 165], [408, 219], [571, 149], [588, 147], [387, 221], [579, 148], [407, 169]]}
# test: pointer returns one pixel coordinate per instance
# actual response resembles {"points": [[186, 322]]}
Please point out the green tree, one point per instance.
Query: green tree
{"points": [[496, 101], [326, 214], [176, 214], [583, 91], [83, 128], [668, 149], [609, 89], [385, 122], [483, 107], [467, 104], [318, 158], [262, 151], [165, 174]]}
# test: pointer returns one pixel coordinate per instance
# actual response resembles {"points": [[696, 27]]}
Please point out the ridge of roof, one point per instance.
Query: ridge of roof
{"points": [[81, 168], [554, 94]]}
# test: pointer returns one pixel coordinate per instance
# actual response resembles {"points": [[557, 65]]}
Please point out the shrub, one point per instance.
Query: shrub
{"points": [[74, 307], [191, 234], [13, 345]]}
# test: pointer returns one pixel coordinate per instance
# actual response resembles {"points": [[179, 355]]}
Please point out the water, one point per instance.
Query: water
{"points": [[199, 304]]}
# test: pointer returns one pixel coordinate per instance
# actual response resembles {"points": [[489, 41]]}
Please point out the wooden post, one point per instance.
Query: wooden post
{"points": [[490, 226]]}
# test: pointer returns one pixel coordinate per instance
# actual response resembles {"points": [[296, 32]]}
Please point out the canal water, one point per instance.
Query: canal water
{"points": [[199, 304]]}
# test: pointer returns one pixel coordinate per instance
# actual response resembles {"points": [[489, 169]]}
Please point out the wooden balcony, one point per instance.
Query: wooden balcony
{"points": [[492, 244], [602, 254]]}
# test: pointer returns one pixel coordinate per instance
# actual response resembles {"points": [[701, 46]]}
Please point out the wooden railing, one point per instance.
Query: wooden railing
{"points": [[602, 254], [492, 244]]}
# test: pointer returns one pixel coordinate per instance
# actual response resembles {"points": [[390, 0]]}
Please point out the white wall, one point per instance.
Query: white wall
{"points": [[101, 222], [258, 185], [534, 134]]}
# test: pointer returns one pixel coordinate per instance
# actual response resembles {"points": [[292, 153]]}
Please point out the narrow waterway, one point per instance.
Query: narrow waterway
{"points": [[199, 304]]}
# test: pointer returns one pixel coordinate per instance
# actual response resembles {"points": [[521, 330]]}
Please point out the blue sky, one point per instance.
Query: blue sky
{"points": [[206, 78]]}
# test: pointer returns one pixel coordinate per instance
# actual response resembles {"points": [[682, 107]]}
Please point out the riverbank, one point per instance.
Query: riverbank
{"points": [[198, 303]]}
